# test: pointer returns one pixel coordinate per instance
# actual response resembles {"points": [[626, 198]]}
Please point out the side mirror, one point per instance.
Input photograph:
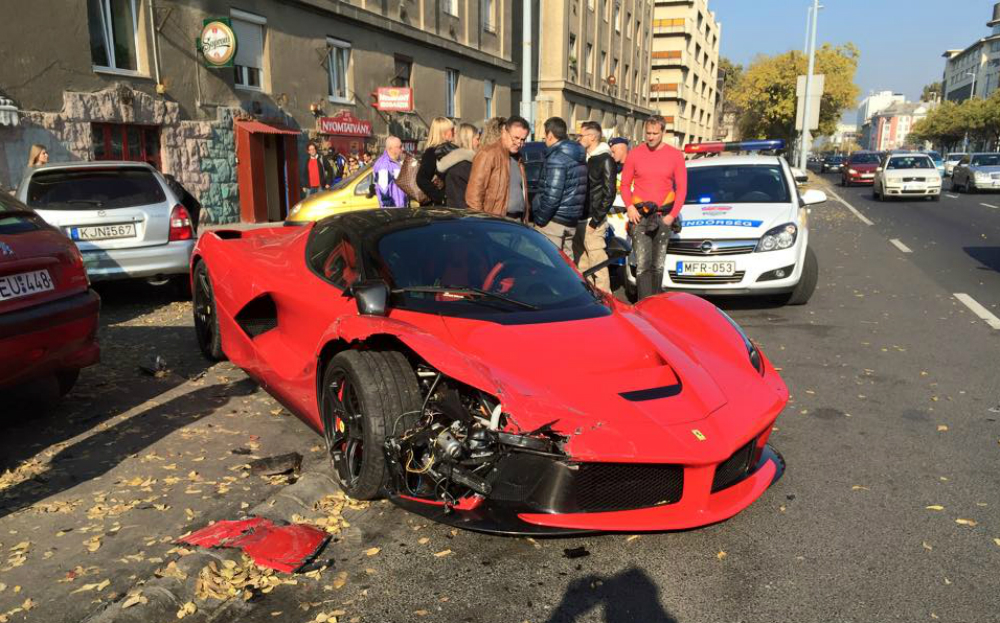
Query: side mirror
{"points": [[813, 196], [372, 297]]}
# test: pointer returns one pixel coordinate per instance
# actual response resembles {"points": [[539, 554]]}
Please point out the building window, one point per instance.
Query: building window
{"points": [[618, 17], [607, 10], [627, 76], [249, 61], [113, 34], [628, 23], [403, 71], [451, 93], [590, 58], [590, 4], [120, 141], [614, 70], [604, 65], [338, 64], [489, 16], [451, 7], [488, 87]]}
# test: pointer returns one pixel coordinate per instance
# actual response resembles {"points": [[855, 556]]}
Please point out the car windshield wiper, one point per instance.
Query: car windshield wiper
{"points": [[467, 290], [92, 202]]}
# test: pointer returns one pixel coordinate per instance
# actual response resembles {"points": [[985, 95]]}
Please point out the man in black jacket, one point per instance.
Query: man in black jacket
{"points": [[590, 247], [562, 193]]}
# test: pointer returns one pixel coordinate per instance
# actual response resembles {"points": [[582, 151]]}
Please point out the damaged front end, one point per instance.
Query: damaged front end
{"points": [[462, 461]]}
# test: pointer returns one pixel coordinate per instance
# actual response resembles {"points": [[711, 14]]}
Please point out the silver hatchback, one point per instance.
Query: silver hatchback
{"points": [[122, 216]]}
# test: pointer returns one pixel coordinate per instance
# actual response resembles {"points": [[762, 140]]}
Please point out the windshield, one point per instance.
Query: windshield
{"points": [[15, 217], [864, 159], [934, 156], [910, 162], [501, 258], [737, 184], [954, 157], [94, 189], [353, 176], [986, 160]]}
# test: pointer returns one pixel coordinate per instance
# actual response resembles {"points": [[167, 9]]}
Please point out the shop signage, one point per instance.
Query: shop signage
{"points": [[217, 42], [345, 124], [394, 99]]}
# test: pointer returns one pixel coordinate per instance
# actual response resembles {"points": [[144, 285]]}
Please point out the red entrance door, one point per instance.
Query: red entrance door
{"points": [[268, 170]]}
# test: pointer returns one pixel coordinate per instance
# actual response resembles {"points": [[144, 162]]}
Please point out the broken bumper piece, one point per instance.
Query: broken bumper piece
{"points": [[282, 547], [534, 495]]}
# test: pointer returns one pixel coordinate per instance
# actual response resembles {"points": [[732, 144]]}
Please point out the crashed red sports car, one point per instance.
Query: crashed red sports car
{"points": [[458, 364]]}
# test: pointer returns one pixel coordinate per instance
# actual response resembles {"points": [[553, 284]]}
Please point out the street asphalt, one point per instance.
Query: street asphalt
{"points": [[889, 509]]}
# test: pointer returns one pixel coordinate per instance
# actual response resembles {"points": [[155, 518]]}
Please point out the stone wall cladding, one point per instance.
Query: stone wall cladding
{"points": [[200, 154]]}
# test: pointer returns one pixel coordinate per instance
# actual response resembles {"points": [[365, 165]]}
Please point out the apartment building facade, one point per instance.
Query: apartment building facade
{"points": [[974, 71], [590, 61], [685, 69], [890, 127], [125, 79]]}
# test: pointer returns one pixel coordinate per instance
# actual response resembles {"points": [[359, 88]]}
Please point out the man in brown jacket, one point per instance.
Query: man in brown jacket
{"points": [[498, 184]]}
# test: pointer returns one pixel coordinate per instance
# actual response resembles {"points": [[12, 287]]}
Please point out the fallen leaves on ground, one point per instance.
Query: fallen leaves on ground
{"points": [[966, 522], [241, 579], [98, 586], [721, 555], [93, 544], [133, 598], [333, 506], [186, 609], [934, 507], [443, 553]]}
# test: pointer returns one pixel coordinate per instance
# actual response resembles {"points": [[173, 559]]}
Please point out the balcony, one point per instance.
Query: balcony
{"points": [[669, 58], [676, 26], [666, 91]]}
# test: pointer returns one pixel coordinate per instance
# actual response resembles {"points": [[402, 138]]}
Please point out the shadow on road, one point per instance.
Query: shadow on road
{"points": [[102, 451], [628, 597], [989, 257], [122, 301], [110, 388]]}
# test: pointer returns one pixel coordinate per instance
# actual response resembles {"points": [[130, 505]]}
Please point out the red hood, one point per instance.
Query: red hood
{"points": [[574, 373], [865, 168]]}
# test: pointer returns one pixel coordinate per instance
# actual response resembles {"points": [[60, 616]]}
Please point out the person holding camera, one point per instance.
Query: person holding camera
{"points": [[654, 186]]}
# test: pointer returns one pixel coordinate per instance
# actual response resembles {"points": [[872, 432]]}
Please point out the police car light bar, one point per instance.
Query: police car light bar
{"points": [[717, 147]]}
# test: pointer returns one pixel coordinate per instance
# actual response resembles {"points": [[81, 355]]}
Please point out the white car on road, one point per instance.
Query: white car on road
{"points": [[907, 175], [745, 231]]}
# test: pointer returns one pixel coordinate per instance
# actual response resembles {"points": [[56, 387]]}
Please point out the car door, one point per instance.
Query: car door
{"points": [[103, 208]]}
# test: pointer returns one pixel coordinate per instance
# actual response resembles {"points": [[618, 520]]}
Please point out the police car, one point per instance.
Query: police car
{"points": [[745, 227]]}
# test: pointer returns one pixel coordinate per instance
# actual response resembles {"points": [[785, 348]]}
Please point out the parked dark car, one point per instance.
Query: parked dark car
{"points": [[534, 156]]}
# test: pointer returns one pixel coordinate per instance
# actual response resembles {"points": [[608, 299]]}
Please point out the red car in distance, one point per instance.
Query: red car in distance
{"points": [[859, 168], [48, 312]]}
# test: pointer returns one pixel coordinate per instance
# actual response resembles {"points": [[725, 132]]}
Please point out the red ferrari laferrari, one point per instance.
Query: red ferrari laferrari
{"points": [[460, 365]]}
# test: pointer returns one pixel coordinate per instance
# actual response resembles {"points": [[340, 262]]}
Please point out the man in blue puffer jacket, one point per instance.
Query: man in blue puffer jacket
{"points": [[562, 192]]}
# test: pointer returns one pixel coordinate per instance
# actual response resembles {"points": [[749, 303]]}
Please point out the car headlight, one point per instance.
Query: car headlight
{"points": [[295, 209], [752, 351], [778, 238], [852, 171], [981, 176]]}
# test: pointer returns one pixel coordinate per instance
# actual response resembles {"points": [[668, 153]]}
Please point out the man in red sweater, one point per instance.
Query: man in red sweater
{"points": [[654, 186]]}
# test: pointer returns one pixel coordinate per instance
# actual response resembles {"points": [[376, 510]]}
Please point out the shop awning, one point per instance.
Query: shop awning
{"points": [[260, 127]]}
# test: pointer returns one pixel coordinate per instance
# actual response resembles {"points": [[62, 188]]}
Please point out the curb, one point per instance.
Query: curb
{"points": [[167, 595]]}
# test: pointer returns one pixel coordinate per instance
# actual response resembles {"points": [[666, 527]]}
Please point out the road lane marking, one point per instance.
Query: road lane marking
{"points": [[899, 245], [990, 205], [951, 196], [861, 216], [979, 310]]}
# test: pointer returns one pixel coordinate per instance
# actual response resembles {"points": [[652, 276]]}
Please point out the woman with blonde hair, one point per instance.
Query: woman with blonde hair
{"points": [[440, 142], [492, 130], [37, 156], [456, 167]]}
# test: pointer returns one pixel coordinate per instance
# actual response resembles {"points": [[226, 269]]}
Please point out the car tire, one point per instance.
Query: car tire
{"points": [[935, 197], [206, 318], [807, 282], [366, 393], [875, 194], [67, 379]]}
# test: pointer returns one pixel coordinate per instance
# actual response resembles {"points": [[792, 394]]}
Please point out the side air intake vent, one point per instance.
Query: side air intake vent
{"points": [[258, 316]]}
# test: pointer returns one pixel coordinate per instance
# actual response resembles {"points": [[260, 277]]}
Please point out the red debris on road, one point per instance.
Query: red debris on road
{"points": [[281, 547]]}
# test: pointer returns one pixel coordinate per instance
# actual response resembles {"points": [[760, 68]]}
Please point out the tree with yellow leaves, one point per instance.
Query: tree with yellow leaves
{"points": [[766, 92]]}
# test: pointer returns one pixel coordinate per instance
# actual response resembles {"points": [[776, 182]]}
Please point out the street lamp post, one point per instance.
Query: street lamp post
{"points": [[804, 147], [972, 95]]}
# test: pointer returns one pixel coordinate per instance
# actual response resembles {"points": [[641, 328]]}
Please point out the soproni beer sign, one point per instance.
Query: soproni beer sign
{"points": [[345, 124], [218, 43]]}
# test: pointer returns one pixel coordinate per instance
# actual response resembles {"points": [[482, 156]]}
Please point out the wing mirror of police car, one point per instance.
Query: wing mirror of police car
{"points": [[372, 297], [813, 196]]}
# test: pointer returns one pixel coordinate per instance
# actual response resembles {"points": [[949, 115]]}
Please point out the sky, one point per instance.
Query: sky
{"points": [[902, 55]]}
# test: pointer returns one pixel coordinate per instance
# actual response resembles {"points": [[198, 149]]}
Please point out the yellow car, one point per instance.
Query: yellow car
{"points": [[347, 195]]}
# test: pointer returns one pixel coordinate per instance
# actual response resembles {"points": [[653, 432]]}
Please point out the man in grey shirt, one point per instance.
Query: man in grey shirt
{"points": [[515, 202]]}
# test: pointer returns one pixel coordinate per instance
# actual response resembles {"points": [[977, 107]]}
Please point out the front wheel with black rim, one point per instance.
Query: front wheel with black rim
{"points": [[366, 395], [206, 320]]}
